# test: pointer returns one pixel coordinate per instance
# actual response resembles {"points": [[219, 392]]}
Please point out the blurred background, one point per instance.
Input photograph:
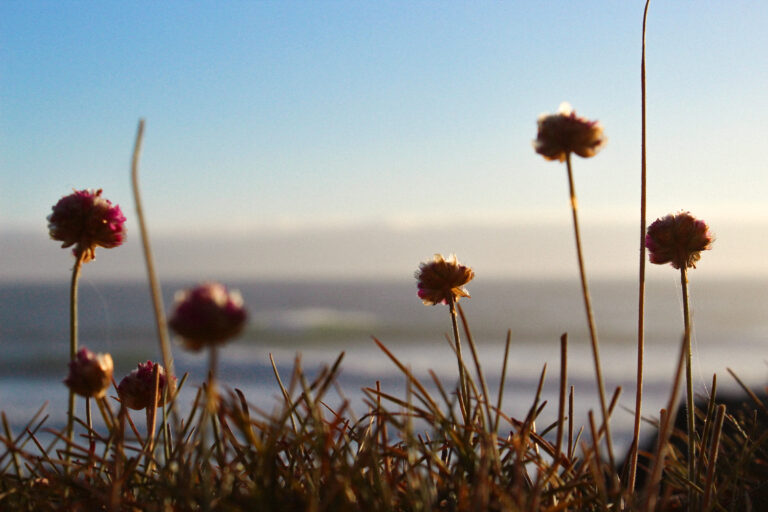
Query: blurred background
{"points": [[312, 154], [364, 137]]}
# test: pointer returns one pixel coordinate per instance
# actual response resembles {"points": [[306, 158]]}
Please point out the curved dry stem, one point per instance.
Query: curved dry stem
{"points": [[157, 296]]}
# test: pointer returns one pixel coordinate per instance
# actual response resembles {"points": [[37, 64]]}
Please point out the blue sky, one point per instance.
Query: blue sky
{"points": [[279, 116]]}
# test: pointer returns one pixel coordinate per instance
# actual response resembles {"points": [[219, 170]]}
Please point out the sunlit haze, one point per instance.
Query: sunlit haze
{"points": [[310, 139]]}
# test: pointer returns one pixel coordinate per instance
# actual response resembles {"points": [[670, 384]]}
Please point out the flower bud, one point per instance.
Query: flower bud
{"points": [[137, 389], [207, 315], [86, 220], [90, 374]]}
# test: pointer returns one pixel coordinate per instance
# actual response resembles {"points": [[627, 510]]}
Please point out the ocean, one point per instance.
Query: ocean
{"points": [[320, 319]]}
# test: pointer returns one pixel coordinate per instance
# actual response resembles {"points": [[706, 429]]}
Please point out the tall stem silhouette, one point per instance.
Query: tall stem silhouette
{"points": [[641, 278]]}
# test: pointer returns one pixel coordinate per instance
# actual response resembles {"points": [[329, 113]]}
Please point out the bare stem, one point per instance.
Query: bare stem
{"points": [[689, 388], [73, 342], [641, 279], [590, 316], [157, 296]]}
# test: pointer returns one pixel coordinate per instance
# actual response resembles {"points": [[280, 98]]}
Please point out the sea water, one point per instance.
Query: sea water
{"points": [[316, 321]]}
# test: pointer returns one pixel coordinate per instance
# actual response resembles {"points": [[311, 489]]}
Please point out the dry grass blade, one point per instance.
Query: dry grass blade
{"points": [[713, 451], [286, 396], [502, 380], [748, 391], [478, 367], [665, 431]]}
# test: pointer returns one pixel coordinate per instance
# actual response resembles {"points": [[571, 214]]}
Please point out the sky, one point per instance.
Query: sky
{"points": [[295, 139]]}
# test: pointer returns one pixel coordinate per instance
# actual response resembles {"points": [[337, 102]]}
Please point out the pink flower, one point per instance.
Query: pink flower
{"points": [[564, 132], [90, 374], [678, 239], [86, 220], [442, 280], [207, 315], [137, 389]]}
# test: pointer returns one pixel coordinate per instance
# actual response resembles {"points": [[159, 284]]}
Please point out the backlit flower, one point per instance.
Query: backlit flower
{"points": [[90, 374], [207, 315], [442, 280], [564, 132], [137, 389], [678, 239], [86, 220]]}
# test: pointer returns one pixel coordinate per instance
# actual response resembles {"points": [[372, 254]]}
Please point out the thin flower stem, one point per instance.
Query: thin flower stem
{"points": [[157, 296], [689, 388], [208, 406], [213, 361], [79, 257], [590, 316], [213, 399], [641, 279], [464, 394]]}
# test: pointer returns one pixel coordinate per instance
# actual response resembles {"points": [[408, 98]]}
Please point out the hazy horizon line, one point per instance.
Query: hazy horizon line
{"points": [[367, 250]]}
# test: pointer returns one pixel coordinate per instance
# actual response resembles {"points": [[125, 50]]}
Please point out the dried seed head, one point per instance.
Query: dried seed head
{"points": [[137, 389], [678, 239], [564, 132], [442, 280], [90, 374]]}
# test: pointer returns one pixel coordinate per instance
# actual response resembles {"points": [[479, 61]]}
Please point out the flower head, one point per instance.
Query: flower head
{"points": [[564, 132], [90, 374], [86, 220], [442, 280], [137, 389], [678, 239], [207, 315]]}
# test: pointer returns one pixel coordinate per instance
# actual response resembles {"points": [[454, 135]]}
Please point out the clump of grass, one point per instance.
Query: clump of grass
{"points": [[411, 452]]}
